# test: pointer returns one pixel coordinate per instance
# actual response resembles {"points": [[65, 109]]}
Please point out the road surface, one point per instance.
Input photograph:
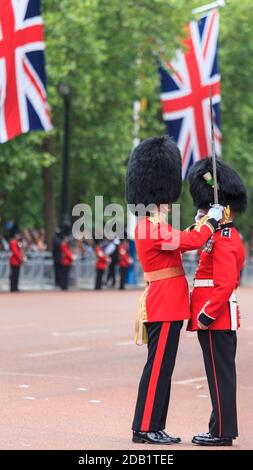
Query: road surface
{"points": [[69, 373]]}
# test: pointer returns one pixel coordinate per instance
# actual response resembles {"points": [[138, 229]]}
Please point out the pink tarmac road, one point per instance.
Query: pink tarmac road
{"points": [[69, 373]]}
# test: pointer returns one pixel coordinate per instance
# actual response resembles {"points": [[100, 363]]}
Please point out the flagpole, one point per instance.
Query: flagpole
{"points": [[215, 182], [65, 219], [209, 6]]}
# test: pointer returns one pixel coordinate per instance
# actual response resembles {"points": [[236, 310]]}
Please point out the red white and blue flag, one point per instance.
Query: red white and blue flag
{"points": [[185, 91], [23, 99]]}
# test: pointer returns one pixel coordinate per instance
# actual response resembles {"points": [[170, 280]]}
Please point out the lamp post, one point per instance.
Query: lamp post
{"points": [[64, 216]]}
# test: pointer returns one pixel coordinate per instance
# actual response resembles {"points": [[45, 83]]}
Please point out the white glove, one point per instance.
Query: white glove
{"points": [[199, 215], [216, 212]]}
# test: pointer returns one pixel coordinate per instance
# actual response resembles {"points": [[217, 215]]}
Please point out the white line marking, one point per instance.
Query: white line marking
{"points": [[124, 343], [57, 351], [80, 332], [189, 381], [94, 401], [29, 398], [25, 325], [23, 386], [82, 389], [202, 396], [49, 376]]}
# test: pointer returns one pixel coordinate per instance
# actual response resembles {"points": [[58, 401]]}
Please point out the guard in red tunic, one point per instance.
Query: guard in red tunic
{"points": [[16, 260], [66, 262], [124, 262], [153, 182], [214, 308], [101, 265]]}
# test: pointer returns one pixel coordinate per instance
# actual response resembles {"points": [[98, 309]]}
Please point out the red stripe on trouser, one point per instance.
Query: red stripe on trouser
{"points": [[215, 380], [155, 376]]}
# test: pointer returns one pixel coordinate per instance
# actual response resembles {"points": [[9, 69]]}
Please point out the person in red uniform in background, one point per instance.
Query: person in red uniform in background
{"points": [[101, 264], [16, 260], [153, 182], [124, 262], [214, 308], [66, 261]]}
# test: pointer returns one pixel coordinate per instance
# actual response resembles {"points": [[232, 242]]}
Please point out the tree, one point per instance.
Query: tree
{"points": [[236, 52], [106, 52]]}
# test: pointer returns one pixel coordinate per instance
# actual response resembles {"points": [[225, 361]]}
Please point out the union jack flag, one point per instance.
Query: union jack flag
{"points": [[186, 82], [23, 100]]}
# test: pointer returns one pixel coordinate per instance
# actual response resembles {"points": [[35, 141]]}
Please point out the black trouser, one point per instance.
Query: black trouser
{"points": [[219, 350], [123, 272], [154, 389], [111, 275], [14, 277], [99, 278], [65, 277], [57, 273]]}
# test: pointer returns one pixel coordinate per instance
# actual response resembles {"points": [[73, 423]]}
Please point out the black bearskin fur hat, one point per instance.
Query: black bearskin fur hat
{"points": [[154, 172], [231, 190]]}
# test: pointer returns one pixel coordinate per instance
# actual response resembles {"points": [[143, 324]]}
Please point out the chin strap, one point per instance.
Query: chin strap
{"points": [[226, 214]]}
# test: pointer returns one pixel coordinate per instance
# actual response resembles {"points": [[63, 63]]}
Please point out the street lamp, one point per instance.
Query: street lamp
{"points": [[64, 217]]}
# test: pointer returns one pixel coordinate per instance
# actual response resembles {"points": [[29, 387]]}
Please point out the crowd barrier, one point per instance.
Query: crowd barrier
{"points": [[37, 272]]}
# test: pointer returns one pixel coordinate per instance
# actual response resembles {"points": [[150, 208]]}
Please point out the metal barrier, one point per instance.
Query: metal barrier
{"points": [[37, 273]]}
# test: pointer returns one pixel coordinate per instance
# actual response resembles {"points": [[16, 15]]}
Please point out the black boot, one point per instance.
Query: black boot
{"points": [[154, 437], [207, 439]]}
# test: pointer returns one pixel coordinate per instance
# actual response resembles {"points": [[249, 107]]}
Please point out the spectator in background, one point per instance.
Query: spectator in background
{"points": [[101, 264], [57, 257], [66, 261], [88, 244], [79, 249], [16, 259], [26, 239], [38, 242], [124, 262], [4, 245]]}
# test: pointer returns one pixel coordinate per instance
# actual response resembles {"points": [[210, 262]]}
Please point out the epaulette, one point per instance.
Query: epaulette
{"points": [[204, 221]]}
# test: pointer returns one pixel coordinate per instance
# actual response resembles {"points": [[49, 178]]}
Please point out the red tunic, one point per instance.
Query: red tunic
{"points": [[102, 259], [124, 258], [17, 255], [66, 255], [221, 260], [167, 299]]}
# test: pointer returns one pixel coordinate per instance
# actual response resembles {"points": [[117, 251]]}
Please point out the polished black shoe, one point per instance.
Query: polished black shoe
{"points": [[207, 439], [175, 440], [154, 437]]}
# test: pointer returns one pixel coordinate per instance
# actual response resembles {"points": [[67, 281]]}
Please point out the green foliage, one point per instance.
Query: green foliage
{"points": [[106, 52], [236, 52]]}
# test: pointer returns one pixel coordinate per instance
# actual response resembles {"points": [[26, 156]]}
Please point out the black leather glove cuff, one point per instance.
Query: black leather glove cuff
{"points": [[204, 319]]}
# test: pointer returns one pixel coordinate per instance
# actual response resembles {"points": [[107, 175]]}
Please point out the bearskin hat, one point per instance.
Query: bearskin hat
{"points": [[14, 231], [231, 190], [154, 172]]}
